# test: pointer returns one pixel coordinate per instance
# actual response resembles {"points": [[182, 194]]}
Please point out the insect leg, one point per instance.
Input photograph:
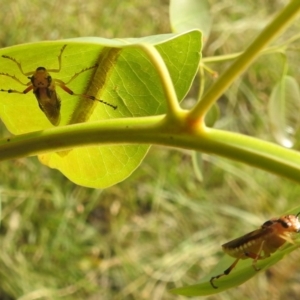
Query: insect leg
{"points": [[19, 66], [18, 92], [256, 256], [78, 73], [62, 85], [15, 78], [59, 61], [226, 272], [29, 88]]}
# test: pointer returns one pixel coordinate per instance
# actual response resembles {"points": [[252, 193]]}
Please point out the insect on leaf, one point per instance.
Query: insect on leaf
{"points": [[124, 77], [244, 270]]}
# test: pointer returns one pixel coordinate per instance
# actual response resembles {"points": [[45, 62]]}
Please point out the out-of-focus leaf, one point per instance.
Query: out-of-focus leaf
{"points": [[190, 14], [284, 111], [212, 116], [197, 165]]}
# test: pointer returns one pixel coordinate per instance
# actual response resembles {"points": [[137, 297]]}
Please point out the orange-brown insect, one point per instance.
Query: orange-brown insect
{"points": [[260, 243], [43, 86]]}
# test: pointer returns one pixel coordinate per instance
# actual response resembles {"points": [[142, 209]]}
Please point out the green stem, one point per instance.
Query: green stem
{"points": [[161, 131], [283, 19], [164, 75]]}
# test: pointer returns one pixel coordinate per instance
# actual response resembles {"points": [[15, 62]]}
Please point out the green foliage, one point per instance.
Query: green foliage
{"points": [[284, 106], [124, 77], [190, 14]]}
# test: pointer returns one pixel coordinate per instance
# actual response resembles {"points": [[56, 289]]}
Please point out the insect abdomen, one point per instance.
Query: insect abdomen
{"points": [[239, 251]]}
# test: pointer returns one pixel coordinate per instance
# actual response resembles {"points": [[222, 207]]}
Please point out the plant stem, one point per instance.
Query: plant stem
{"points": [[158, 130], [165, 78], [281, 21]]}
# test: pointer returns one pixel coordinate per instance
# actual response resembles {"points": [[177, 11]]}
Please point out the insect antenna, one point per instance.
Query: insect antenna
{"points": [[99, 100]]}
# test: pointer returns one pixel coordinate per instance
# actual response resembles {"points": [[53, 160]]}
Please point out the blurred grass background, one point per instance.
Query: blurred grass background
{"points": [[161, 228]]}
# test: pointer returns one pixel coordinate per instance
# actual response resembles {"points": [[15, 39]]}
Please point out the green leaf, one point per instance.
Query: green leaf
{"points": [[197, 165], [190, 14], [283, 110], [125, 77]]}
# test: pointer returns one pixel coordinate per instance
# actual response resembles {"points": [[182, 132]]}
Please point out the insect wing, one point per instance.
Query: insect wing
{"points": [[251, 236], [49, 103]]}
